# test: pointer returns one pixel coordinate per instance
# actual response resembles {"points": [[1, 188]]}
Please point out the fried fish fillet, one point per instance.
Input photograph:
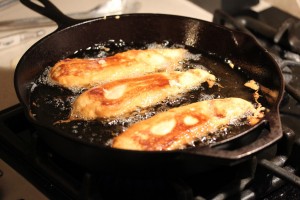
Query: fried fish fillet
{"points": [[84, 73], [118, 98], [178, 127]]}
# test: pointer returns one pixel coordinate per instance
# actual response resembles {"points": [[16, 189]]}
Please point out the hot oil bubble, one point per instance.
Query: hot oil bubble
{"points": [[239, 122], [109, 142], [33, 86], [102, 54], [193, 57], [175, 102], [133, 117], [155, 46], [164, 44], [121, 43], [70, 99], [94, 134], [44, 78], [59, 104], [205, 97], [76, 91], [203, 139], [75, 126]]}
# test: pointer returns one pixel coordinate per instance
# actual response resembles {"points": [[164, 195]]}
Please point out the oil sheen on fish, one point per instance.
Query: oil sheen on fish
{"points": [[121, 97], [85, 73], [178, 127]]}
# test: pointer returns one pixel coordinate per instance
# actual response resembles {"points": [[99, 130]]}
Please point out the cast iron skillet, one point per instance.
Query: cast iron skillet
{"points": [[253, 61]]}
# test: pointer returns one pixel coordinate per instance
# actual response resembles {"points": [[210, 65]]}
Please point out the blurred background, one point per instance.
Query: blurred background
{"points": [[291, 6]]}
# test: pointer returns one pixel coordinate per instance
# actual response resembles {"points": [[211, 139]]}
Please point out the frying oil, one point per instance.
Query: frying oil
{"points": [[47, 96]]}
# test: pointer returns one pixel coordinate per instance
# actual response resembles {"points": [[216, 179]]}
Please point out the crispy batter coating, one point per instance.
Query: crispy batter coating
{"points": [[178, 127], [85, 73], [118, 98]]}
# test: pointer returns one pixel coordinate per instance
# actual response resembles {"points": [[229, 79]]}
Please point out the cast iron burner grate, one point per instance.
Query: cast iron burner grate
{"points": [[282, 41]]}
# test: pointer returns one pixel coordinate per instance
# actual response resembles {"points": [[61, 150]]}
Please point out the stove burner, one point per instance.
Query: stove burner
{"points": [[286, 36], [292, 27], [278, 43], [293, 90]]}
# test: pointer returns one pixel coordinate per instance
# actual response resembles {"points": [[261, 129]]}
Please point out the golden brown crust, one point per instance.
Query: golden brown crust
{"points": [[84, 73], [181, 126], [118, 98]]}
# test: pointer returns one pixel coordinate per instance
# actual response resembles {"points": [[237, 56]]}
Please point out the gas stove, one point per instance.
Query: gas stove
{"points": [[32, 168]]}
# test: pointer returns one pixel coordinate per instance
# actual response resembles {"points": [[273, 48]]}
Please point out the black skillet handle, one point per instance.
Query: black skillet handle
{"points": [[46, 8], [260, 143]]}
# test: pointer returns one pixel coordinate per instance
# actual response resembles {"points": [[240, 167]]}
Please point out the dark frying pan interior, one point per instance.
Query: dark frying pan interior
{"points": [[58, 101]]}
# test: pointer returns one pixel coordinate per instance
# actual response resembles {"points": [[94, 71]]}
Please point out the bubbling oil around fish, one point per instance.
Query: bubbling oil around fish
{"points": [[51, 103]]}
